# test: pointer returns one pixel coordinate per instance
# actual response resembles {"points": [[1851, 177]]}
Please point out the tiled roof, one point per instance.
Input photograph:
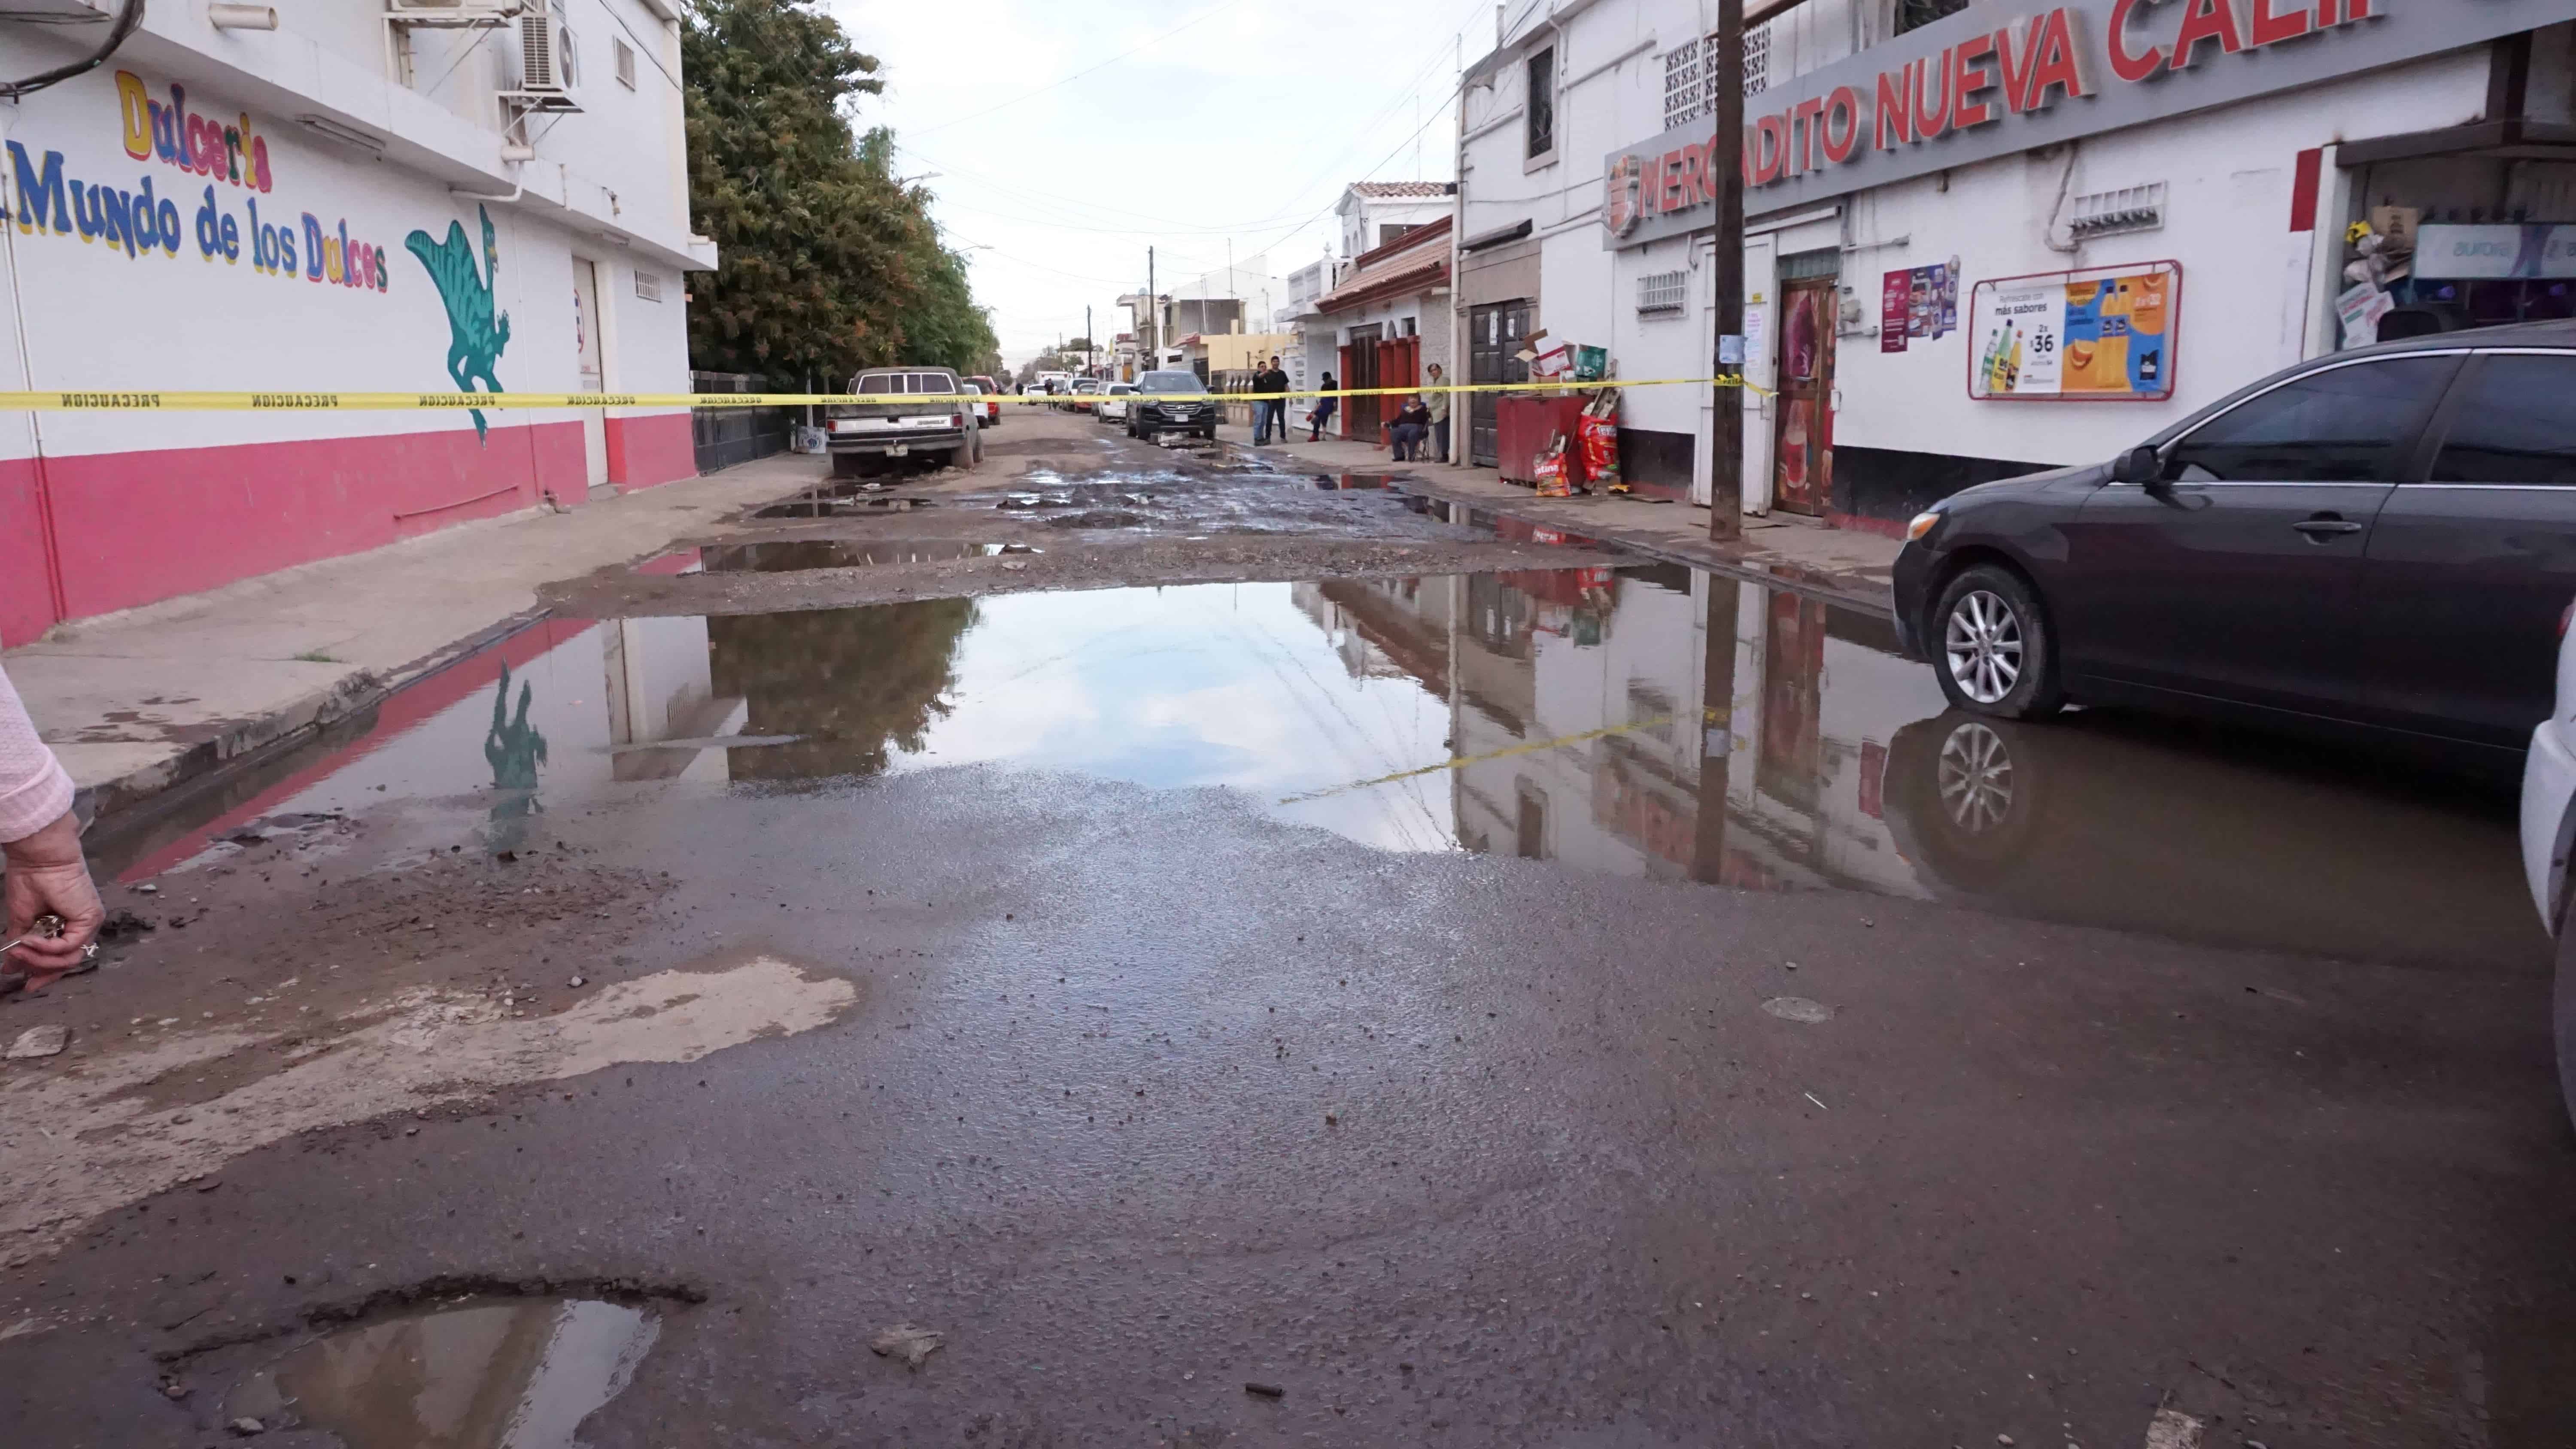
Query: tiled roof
{"points": [[1404, 188]]}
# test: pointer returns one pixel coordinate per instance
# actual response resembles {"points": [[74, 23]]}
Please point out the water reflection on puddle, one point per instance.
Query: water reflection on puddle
{"points": [[513, 1374], [1642, 721]]}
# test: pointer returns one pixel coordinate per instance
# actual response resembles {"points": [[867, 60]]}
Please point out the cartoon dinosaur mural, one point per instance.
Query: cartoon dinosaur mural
{"points": [[477, 334]]}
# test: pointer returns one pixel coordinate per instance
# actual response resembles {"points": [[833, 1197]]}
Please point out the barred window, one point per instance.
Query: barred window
{"points": [[1683, 100], [1914, 14], [1690, 70], [1663, 292]]}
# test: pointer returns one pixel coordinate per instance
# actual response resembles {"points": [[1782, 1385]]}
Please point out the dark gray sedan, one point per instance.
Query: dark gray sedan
{"points": [[2379, 544]]}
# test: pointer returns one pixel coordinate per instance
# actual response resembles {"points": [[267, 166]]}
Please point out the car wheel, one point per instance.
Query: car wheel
{"points": [[1208, 434], [1991, 648]]}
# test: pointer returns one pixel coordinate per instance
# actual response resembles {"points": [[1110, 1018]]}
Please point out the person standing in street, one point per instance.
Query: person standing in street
{"points": [[1439, 415], [40, 841], [1275, 380], [1322, 417]]}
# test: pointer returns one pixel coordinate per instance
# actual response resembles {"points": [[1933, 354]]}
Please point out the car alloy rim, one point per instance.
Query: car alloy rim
{"points": [[1983, 644], [1976, 778]]}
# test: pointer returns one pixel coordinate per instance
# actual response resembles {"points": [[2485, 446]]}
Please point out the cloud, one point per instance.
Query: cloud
{"points": [[1237, 122]]}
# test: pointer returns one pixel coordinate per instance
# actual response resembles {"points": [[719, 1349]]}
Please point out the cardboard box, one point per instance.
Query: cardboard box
{"points": [[2398, 224]]}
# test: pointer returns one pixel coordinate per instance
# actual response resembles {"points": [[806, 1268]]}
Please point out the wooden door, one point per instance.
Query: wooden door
{"points": [[1399, 364], [1803, 441], [1363, 413], [1494, 334], [1342, 408]]}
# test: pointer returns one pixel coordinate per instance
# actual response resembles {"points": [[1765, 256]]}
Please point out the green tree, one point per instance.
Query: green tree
{"points": [[828, 263]]}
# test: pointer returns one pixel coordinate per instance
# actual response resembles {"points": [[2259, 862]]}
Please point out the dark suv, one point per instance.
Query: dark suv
{"points": [[2381, 543], [1171, 402]]}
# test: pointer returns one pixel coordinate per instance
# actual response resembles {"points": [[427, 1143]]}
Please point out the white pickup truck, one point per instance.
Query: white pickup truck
{"points": [[862, 436]]}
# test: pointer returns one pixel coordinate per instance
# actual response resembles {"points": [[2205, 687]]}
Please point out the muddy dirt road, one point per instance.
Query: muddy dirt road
{"points": [[1221, 959]]}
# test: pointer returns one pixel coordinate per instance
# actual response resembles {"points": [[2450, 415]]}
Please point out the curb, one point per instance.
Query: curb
{"points": [[134, 797], [120, 801], [1845, 590]]}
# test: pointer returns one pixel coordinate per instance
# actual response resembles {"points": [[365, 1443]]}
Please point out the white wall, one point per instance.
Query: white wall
{"points": [[2228, 172], [2241, 303], [1363, 217]]}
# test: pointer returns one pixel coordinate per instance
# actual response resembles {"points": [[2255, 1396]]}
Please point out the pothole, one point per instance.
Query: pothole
{"points": [[478, 1372], [842, 506], [798, 554]]}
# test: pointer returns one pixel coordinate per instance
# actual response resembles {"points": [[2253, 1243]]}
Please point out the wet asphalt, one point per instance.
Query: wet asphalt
{"points": [[1474, 1004]]}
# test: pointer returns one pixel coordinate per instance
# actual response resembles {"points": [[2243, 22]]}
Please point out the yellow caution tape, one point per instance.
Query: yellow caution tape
{"points": [[453, 401]]}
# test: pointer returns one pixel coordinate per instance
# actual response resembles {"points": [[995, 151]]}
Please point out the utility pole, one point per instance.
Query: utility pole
{"points": [[1726, 423], [1086, 339], [1153, 317]]}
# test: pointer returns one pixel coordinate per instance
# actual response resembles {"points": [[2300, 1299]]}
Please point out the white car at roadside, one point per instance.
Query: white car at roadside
{"points": [[2548, 838], [1113, 404]]}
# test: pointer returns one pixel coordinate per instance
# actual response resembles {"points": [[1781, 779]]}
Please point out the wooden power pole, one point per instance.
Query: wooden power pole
{"points": [[1725, 90]]}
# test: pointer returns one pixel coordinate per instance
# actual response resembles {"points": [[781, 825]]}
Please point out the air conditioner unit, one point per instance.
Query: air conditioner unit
{"points": [[546, 63], [451, 14]]}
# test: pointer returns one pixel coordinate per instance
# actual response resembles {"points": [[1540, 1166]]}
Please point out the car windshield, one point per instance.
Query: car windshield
{"points": [[1119, 389], [1170, 382]]}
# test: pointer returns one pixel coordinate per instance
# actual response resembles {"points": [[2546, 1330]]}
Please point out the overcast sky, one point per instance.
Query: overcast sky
{"points": [[1066, 138]]}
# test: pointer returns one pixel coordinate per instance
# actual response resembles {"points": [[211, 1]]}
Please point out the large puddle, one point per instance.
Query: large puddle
{"points": [[1644, 721], [506, 1374]]}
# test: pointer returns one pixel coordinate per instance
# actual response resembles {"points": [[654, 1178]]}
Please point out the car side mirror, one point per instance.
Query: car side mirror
{"points": [[2141, 465]]}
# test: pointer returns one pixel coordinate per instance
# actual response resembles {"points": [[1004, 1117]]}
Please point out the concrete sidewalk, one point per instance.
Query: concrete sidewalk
{"points": [[1842, 566], [138, 701]]}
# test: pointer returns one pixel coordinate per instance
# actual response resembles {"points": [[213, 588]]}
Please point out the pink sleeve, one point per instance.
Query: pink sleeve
{"points": [[34, 790]]}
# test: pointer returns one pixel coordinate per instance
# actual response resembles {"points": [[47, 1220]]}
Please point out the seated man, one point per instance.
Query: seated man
{"points": [[1411, 426]]}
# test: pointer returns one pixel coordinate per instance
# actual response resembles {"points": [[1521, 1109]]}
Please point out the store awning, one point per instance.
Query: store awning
{"points": [[2531, 140]]}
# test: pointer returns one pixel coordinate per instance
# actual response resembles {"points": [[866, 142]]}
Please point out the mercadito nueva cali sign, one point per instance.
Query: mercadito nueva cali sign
{"points": [[1964, 89]]}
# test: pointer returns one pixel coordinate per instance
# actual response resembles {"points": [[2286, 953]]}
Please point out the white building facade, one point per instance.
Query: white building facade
{"points": [[1985, 239], [376, 195]]}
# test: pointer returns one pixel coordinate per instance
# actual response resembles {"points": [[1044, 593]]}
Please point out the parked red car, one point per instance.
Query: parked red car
{"points": [[992, 410]]}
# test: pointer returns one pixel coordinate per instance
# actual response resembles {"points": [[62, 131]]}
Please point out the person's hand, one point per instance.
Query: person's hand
{"points": [[49, 876]]}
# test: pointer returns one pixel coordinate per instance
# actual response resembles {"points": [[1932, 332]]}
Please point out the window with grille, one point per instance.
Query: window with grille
{"points": [[1663, 292], [1690, 70], [1683, 101], [1915, 14], [1539, 112], [625, 63]]}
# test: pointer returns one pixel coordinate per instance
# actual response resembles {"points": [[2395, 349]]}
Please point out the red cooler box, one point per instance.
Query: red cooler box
{"points": [[1523, 425]]}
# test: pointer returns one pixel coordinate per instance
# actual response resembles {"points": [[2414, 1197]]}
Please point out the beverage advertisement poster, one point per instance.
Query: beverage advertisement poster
{"points": [[1896, 291], [2103, 336]]}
